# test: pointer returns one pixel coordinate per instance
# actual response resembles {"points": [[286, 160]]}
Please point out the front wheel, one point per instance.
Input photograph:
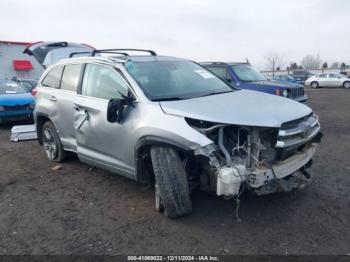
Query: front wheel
{"points": [[314, 85], [346, 84], [52, 143], [171, 182]]}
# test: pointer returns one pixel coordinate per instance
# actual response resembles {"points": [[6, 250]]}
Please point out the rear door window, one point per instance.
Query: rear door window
{"points": [[71, 76], [103, 82], [53, 78]]}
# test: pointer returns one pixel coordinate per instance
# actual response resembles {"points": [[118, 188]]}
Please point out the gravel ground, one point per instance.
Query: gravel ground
{"points": [[76, 210]]}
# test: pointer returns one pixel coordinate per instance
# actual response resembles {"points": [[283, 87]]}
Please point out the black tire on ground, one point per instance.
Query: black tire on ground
{"points": [[171, 178], [346, 84], [59, 154], [314, 84]]}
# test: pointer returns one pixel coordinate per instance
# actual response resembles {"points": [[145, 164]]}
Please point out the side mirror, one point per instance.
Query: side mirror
{"points": [[115, 109]]}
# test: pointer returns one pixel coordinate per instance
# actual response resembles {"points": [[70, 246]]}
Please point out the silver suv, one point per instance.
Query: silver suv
{"points": [[172, 123]]}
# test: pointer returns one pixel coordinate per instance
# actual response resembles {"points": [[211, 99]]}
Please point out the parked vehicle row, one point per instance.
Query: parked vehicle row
{"points": [[244, 76], [302, 75], [328, 80], [172, 123], [288, 79]]}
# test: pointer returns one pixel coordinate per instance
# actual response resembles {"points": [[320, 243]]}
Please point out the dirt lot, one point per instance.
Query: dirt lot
{"points": [[80, 211]]}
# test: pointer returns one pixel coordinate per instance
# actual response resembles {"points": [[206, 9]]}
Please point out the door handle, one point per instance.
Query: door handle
{"points": [[53, 99]]}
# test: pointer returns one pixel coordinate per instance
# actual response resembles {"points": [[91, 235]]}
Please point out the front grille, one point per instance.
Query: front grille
{"points": [[17, 107], [296, 92], [298, 132]]}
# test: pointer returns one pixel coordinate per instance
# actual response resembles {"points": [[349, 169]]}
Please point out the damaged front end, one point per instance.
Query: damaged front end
{"points": [[259, 159]]}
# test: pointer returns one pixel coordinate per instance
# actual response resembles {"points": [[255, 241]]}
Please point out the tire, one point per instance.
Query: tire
{"points": [[52, 143], [171, 179], [346, 84], [314, 84]]}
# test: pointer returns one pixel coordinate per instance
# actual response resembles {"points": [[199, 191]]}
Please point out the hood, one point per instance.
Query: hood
{"points": [[272, 84], [243, 107], [16, 99]]}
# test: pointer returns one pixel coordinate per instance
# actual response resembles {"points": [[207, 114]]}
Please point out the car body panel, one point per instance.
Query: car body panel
{"points": [[261, 109], [16, 99]]}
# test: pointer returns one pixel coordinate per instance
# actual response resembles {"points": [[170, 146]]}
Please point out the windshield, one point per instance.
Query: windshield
{"points": [[10, 87], [247, 73], [175, 80]]}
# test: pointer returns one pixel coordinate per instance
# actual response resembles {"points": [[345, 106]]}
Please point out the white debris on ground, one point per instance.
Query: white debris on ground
{"points": [[23, 132]]}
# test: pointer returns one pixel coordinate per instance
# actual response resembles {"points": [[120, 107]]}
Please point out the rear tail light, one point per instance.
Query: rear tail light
{"points": [[278, 92], [34, 91]]}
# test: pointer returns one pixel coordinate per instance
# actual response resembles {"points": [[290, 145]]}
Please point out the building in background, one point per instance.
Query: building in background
{"points": [[14, 63]]}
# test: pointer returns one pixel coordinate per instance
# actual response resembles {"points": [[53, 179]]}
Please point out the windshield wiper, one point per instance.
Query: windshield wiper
{"points": [[168, 99], [216, 93]]}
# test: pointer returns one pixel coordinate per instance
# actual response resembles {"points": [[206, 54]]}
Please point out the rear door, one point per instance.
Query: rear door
{"points": [[48, 53], [334, 80], [65, 98], [55, 99], [99, 142]]}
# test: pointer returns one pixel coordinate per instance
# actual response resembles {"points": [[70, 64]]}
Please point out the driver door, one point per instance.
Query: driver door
{"points": [[99, 142]]}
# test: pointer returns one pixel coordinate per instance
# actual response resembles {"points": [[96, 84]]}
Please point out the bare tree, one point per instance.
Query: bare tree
{"points": [[311, 62], [274, 60]]}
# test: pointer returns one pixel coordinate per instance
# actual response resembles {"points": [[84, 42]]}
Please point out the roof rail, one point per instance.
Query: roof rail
{"points": [[216, 63], [89, 52], [93, 52]]}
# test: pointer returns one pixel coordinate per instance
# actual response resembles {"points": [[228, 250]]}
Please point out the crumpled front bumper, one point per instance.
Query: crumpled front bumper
{"points": [[263, 175]]}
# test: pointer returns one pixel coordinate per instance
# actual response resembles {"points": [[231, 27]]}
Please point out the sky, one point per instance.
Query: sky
{"points": [[202, 30]]}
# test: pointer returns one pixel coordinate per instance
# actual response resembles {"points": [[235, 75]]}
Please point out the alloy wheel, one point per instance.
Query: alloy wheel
{"points": [[49, 143]]}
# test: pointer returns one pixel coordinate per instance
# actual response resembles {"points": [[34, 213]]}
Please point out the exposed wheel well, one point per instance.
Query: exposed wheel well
{"points": [[39, 122], [144, 169]]}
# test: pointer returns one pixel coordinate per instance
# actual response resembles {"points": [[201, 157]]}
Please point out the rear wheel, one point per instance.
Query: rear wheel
{"points": [[171, 182], [346, 84], [52, 143], [314, 84]]}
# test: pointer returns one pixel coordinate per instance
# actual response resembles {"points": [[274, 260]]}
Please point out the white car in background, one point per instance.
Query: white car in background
{"points": [[328, 80]]}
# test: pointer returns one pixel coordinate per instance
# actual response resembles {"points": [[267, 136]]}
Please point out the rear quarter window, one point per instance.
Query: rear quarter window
{"points": [[53, 78], [71, 76]]}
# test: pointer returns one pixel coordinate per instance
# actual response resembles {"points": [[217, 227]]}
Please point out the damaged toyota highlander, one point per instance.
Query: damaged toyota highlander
{"points": [[173, 124]]}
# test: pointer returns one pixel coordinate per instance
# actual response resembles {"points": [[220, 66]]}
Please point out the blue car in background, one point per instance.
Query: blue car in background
{"points": [[288, 79], [244, 76], [15, 102]]}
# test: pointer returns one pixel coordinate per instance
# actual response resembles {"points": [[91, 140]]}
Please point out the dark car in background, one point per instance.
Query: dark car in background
{"points": [[302, 75], [287, 78], [15, 102], [245, 76]]}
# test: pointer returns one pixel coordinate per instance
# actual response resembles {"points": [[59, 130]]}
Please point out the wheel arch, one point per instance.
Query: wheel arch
{"points": [[142, 155], [40, 119]]}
